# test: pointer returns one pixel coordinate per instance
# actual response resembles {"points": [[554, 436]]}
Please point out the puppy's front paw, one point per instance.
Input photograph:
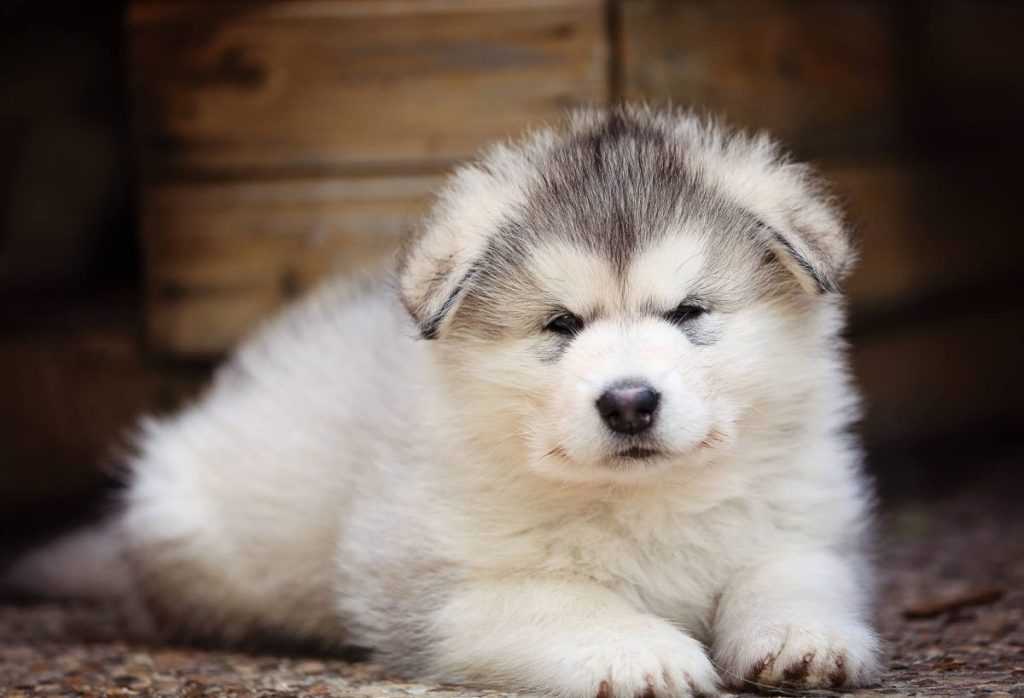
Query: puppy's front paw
{"points": [[795, 655], [652, 661]]}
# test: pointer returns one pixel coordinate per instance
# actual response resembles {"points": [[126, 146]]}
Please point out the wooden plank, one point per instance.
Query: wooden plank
{"points": [[821, 75], [144, 11], [928, 230], [959, 372], [314, 87], [222, 256], [71, 397]]}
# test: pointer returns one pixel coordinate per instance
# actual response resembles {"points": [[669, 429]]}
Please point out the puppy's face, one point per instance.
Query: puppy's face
{"points": [[610, 314]]}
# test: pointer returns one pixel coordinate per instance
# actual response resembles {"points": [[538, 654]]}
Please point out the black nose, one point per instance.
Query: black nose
{"points": [[628, 408]]}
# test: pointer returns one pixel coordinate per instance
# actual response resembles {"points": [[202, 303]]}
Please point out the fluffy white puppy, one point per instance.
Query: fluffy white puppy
{"points": [[595, 445]]}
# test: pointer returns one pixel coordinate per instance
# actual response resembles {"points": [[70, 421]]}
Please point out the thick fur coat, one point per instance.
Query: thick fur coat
{"points": [[591, 438]]}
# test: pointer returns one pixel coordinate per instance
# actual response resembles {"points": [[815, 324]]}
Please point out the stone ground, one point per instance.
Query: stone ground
{"points": [[952, 611]]}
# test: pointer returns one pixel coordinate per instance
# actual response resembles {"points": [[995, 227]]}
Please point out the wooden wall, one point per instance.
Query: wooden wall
{"points": [[280, 141], [277, 141], [283, 140]]}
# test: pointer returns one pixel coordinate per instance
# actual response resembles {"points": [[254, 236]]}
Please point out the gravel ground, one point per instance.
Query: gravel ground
{"points": [[952, 610]]}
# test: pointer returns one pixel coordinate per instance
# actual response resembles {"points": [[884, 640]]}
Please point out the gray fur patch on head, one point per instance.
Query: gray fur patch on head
{"points": [[610, 188], [612, 183]]}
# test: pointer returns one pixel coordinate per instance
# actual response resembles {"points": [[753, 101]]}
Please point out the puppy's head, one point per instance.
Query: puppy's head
{"points": [[625, 296]]}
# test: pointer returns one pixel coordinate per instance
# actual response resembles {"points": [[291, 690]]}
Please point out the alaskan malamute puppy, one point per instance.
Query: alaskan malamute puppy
{"points": [[591, 441]]}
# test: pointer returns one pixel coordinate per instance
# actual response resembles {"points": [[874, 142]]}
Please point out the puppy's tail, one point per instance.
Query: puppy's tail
{"points": [[86, 564]]}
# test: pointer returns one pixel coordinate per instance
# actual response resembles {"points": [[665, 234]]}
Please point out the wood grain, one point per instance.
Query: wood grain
{"points": [[222, 256], [72, 397], [821, 75], [313, 87], [918, 241]]}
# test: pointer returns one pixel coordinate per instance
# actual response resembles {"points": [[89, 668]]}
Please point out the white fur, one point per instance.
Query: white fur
{"points": [[456, 505]]}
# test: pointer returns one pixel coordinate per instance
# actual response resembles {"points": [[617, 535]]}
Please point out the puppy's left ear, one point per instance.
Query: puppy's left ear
{"points": [[798, 219], [816, 249]]}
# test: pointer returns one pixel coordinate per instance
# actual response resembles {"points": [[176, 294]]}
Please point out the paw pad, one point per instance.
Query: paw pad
{"points": [[798, 670], [759, 668], [837, 677]]}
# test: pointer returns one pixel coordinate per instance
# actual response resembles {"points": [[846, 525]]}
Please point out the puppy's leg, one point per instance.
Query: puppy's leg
{"points": [[798, 621], [566, 638]]}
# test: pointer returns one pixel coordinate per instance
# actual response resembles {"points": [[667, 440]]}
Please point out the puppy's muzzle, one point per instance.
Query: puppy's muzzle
{"points": [[628, 408]]}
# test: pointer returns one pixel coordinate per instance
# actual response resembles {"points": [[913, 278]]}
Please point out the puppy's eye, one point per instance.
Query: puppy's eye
{"points": [[684, 312], [565, 324]]}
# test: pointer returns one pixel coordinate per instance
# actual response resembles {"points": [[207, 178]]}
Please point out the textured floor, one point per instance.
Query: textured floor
{"points": [[952, 610]]}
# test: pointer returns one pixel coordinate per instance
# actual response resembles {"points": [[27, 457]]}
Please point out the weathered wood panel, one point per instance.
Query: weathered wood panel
{"points": [[919, 238], [71, 396], [221, 256], [822, 75], [322, 85], [954, 373]]}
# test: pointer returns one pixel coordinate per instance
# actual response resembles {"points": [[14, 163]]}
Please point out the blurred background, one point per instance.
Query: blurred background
{"points": [[175, 170]]}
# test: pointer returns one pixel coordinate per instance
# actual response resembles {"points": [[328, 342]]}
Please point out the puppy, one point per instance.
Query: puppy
{"points": [[591, 440]]}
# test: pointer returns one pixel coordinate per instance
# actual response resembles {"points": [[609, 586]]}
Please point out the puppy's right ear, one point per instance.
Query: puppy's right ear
{"points": [[439, 259], [431, 304]]}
